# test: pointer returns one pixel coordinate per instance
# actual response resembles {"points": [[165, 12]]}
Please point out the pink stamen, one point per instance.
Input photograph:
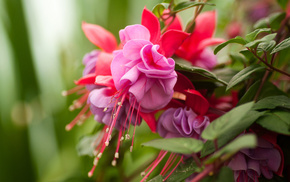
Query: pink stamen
{"points": [[172, 155], [73, 90], [81, 100], [171, 163], [154, 166], [90, 174], [174, 168], [75, 121], [159, 155]]}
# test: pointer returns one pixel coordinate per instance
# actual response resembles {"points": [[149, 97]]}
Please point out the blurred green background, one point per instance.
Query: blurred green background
{"points": [[41, 50]]}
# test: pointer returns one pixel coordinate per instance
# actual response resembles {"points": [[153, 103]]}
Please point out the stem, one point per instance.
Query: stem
{"points": [[262, 84], [196, 159], [270, 66], [204, 173], [197, 11], [216, 144], [166, 26]]}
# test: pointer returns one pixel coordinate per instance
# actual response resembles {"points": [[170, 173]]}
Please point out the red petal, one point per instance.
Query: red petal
{"points": [[103, 65], [88, 79], [170, 41], [209, 42], [204, 29], [150, 21], [100, 37], [149, 118], [196, 102], [183, 83], [175, 25], [105, 81]]}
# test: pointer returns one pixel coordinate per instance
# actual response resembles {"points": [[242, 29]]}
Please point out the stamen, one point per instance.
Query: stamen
{"points": [[99, 155], [174, 168], [131, 148], [74, 122], [154, 166], [127, 137], [73, 90], [143, 174], [171, 163], [96, 160], [120, 103], [114, 162], [167, 163], [105, 109], [122, 138], [90, 174], [116, 155], [107, 130], [107, 143]]}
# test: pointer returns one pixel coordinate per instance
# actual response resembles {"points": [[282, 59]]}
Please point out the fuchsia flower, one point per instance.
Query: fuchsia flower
{"points": [[195, 47], [250, 164], [142, 69]]}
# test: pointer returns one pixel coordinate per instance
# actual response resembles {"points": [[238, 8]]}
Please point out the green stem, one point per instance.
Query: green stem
{"points": [[261, 86]]}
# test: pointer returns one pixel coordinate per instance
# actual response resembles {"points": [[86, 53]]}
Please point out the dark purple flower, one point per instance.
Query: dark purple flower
{"points": [[249, 164], [181, 122]]}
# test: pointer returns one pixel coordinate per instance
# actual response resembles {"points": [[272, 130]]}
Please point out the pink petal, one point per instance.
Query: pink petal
{"points": [[133, 32], [149, 118], [175, 25], [209, 42], [105, 81], [150, 21], [100, 37], [205, 59], [88, 79], [170, 41], [132, 48], [196, 102], [103, 65]]}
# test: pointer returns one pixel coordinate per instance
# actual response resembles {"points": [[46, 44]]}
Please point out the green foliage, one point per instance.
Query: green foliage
{"points": [[157, 178], [253, 35], [242, 142], [281, 46], [237, 40], [243, 75], [85, 145], [177, 145], [266, 46], [273, 102], [186, 5], [159, 8], [225, 124], [267, 38], [273, 21]]}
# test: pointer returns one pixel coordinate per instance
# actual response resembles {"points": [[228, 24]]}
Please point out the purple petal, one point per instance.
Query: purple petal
{"points": [[238, 162]]}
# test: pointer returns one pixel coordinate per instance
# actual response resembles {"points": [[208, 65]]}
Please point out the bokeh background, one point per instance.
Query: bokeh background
{"points": [[41, 50]]}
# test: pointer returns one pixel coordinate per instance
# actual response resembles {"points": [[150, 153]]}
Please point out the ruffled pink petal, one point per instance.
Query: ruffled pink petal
{"points": [[100, 37], [105, 81], [149, 118], [88, 79], [196, 102], [209, 42], [118, 68], [130, 77], [132, 48], [133, 32], [104, 63], [170, 41], [150, 21]]}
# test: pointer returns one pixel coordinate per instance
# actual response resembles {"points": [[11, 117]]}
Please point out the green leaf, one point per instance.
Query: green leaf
{"points": [[252, 36], [274, 21], [225, 174], [183, 171], [157, 178], [266, 46], [159, 8], [224, 124], [237, 129], [186, 5], [283, 3], [177, 145], [242, 142], [200, 71], [281, 46], [267, 38], [85, 147], [243, 75], [248, 55], [273, 102], [237, 58], [237, 40], [277, 121]]}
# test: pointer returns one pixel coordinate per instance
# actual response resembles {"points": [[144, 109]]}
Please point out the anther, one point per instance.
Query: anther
{"points": [[120, 103], [71, 108], [96, 160], [107, 143], [143, 173], [99, 155], [114, 115], [105, 109], [131, 148], [110, 137], [107, 130], [127, 137], [114, 163], [122, 138], [64, 93], [95, 152], [117, 155]]}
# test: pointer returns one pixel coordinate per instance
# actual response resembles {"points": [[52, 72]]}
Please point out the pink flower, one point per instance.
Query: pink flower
{"points": [[142, 68], [195, 48]]}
